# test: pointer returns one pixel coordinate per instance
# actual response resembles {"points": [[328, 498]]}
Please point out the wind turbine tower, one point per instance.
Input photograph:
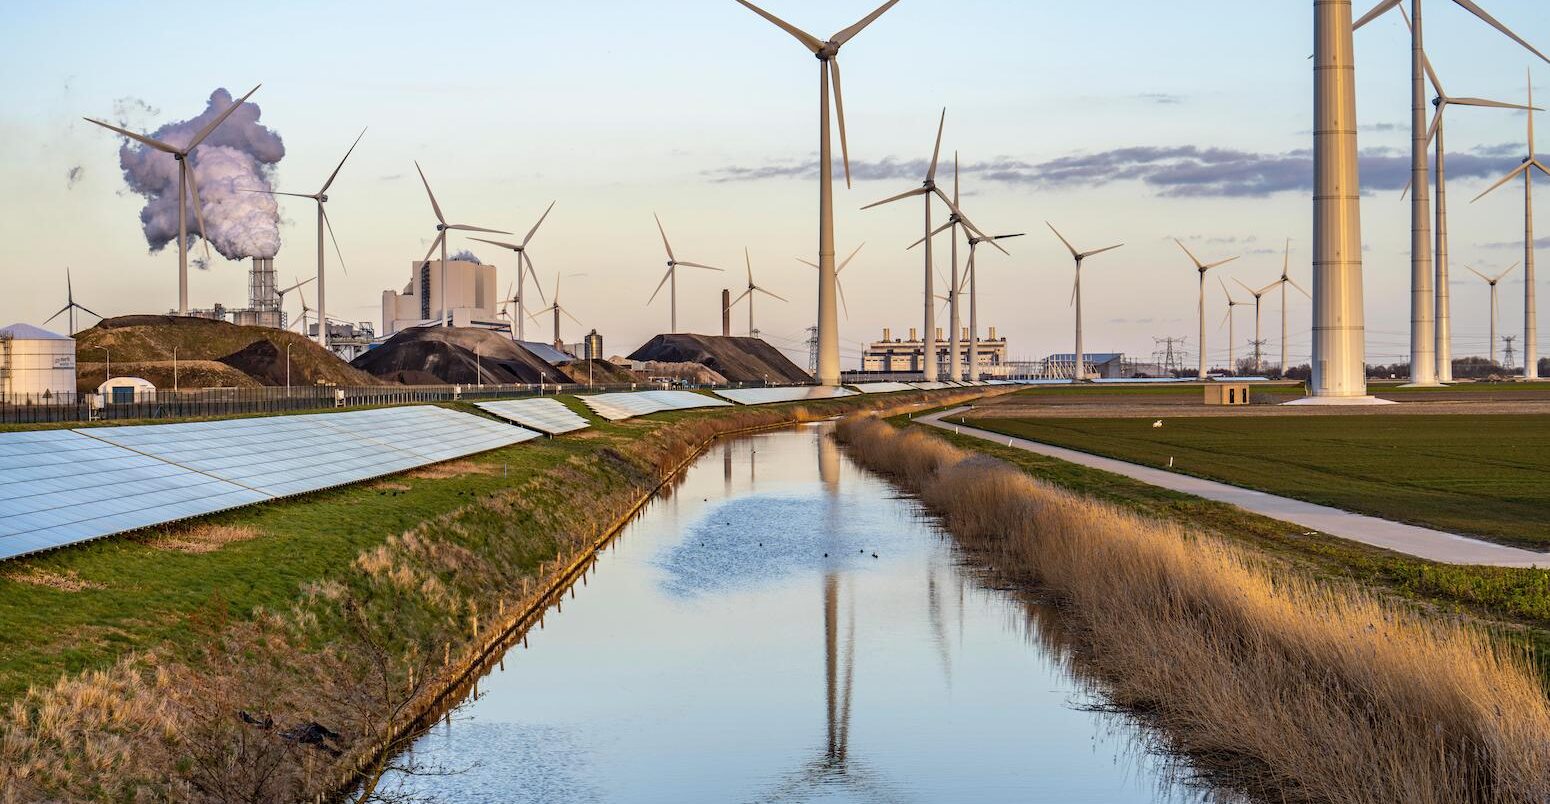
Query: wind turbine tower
{"points": [[1202, 268], [524, 264], [1492, 281], [1076, 296], [70, 305], [672, 276], [827, 53]]}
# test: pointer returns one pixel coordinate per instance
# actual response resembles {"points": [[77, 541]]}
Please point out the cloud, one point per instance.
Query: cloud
{"points": [[1539, 242], [73, 175], [1183, 171], [1161, 98]]}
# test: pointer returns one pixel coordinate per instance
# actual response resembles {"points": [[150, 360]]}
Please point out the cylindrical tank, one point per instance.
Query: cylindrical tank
{"points": [[35, 363]]}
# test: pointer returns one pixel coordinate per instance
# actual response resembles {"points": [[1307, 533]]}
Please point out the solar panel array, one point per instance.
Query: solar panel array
{"points": [[882, 387], [542, 414], [59, 487], [928, 386], [627, 405], [797, 393]]}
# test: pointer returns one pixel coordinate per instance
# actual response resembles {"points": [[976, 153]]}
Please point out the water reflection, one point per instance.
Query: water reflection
{"points": [[689, 670]]}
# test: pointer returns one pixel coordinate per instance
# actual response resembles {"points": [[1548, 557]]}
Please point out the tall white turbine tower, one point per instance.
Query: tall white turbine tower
{"points": [[1201, 268], [1530, 317], [1076, 295], [672, 275], [1492, 281], [754, 290], [1259, 295], [557, 309], [827, 53], [1231, 322], [1423, 336], [442, 227], [321, 198], [1286, 279], [524, 264], [188, 187], [974, 295]]}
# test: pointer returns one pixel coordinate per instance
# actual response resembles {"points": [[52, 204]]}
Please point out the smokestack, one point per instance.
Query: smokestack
{"points": [[914, 334], [726, 313], [992, 333], [939, 333], [887, 335], [964, 334]]}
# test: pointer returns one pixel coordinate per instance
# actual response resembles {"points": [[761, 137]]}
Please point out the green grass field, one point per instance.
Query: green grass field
{"points": [[1486, 475]]}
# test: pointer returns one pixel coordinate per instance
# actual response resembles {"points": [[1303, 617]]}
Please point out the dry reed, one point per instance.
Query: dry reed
{"points": [[67, 581], [1275, 683], [200, 538]]}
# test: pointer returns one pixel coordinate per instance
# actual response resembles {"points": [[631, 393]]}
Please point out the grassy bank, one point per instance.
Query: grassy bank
{"points": [[332, 621], [1482, 475], [1277, 683]]}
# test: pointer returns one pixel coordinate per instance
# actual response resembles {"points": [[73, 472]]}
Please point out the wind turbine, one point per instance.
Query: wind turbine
{"points": [[1492, 280], [321, 197], [751, 292], [838, 284], [442, 227], [1202, 268], [187, 185], [280, 294], [1423, 335], [70, 305], [1259, 360], [1530, 316], [556, 309], [524, 263], [672, 274], [974, 316], [1076, 294], [926, 190], [827, 53], [1435, 132], [1286, 279], [304, 311], [1230, 321]]}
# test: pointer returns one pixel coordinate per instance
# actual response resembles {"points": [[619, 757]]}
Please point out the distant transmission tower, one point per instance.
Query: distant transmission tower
{"points": [[812, 350], [1507, 353], [1172, 359], [1259, 354]]}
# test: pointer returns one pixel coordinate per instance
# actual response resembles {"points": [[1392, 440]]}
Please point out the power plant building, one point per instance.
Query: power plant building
{"points": [[895, 356], [471, 297]]}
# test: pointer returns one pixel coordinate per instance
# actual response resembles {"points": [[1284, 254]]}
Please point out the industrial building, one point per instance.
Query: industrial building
{"points": [[894, 356], [35, 364], [471, 298]]}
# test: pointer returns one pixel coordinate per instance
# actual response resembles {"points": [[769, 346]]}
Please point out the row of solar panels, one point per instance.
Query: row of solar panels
{"points": [[60, 487], [618, 406]]}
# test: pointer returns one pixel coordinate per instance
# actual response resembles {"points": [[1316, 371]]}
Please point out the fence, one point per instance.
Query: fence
{"points": [[200, 402]]}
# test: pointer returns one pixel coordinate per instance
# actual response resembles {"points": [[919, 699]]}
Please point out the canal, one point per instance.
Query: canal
{"points": [[783, 626]]}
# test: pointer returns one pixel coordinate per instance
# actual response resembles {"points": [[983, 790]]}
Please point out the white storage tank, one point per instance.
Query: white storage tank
{"points": [[36, 364]]}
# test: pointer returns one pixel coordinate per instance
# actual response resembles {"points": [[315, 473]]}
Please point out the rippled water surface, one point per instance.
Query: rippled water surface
{"points": [[785, 627]]}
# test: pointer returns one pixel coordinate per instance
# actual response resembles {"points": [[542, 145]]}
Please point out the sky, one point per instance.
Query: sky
{"points": [[1126, 121]]}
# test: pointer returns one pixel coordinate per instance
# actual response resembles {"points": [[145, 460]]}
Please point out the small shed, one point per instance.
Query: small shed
{"points": [[126, 391], [1227, 393]]}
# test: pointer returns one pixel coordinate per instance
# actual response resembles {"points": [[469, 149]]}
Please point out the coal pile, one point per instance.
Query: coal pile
{"points": [[747, 360]]}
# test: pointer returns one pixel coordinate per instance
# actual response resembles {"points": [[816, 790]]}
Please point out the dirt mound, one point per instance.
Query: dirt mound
{"points": [[255, 352], [189, 374], [693, 373], [736, 359], [599, 372], [438, 355]]}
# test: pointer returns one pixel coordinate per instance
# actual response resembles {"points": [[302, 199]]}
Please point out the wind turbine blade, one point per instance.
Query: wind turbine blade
{"points": [[841, 289], [1509, 177], [1491, 21], [1097, 251], [1225, 318], [1020, 234], [937, 150], [199, 213], [1499, 277], [1294, 284], [276, 192], [1218, 263], [665, 244], [144, 140], [846, 35], [338, 252], [771, 295], [934, 232], [571, 317], [805, 262], [1540, 166], [534, 230], [1072, 303], [533, 272], [654, 293], [1482, 276], [335, 174], [899, 197], [1252, 292], [1431, 130], [84, 308], [1192, 257], [687, 264], [219, 119], [463, 227], [1266, 289], [512, 246], [1377, 11], [847, 260], [969, 224], [61, 312], [739, 298], [435, 207], [808, 40], [1494, 104], [1063, 239], [839, 109], [749, 259], [297, 285], [436, 243]]}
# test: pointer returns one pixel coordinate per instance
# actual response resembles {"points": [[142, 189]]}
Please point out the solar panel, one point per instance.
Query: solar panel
{"points": [[542, 414], [58, 487], [683, 400], [798, 393], [928, 386], [628, 405], [882, 387]]}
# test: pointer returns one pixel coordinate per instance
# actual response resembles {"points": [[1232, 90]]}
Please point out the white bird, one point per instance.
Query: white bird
{"points": [[1157, 424]]}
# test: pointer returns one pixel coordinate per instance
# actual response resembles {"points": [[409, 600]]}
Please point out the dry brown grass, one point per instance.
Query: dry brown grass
{"points": [[1283, 686], [200, 538], [67, 581], [389, 485], [450, 469]]}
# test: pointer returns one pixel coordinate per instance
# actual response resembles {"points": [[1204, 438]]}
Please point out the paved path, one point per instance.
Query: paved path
{"points": [[1434, 545]]}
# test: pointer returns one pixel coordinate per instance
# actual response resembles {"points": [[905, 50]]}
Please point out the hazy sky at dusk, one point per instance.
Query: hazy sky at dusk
{"points": [[1123, 121]]}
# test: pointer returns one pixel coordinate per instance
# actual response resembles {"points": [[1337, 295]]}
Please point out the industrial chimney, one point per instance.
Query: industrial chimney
{"points": [[992, 333], [914, 334], [726, 313], [887, 335]]}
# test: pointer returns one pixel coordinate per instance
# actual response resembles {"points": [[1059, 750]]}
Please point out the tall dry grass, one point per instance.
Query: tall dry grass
{"points": [[1273, 682]]}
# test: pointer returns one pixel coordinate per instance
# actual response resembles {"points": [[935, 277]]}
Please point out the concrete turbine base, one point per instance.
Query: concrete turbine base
{"points": [[1332, 401]]}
